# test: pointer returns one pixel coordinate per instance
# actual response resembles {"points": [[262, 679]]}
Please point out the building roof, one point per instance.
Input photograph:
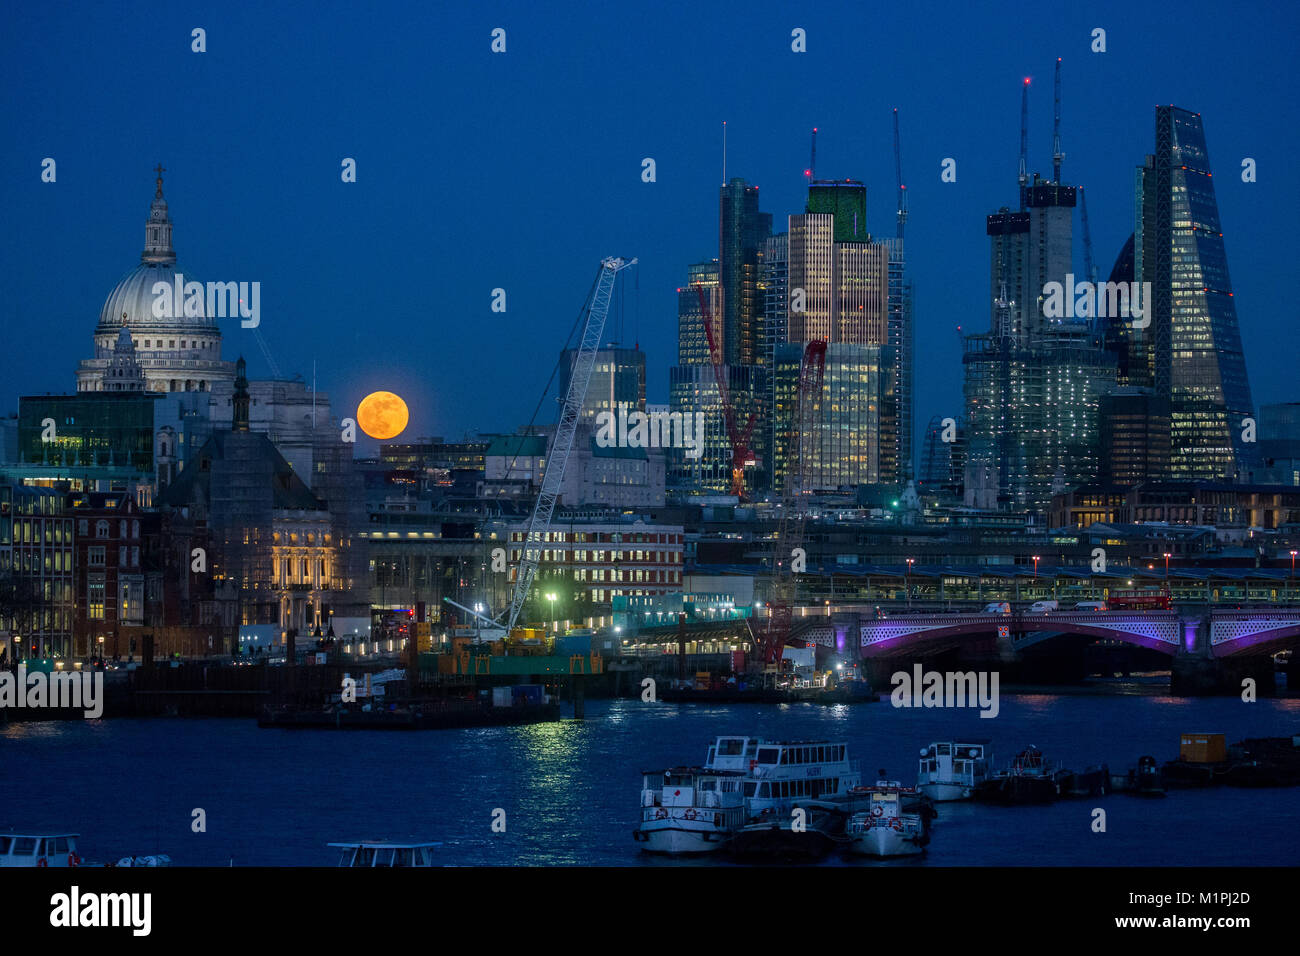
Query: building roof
{"points": [[523, 446], [252, 450]]}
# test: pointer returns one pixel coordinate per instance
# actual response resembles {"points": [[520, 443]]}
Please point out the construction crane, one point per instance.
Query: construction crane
{"points": [[1057, 155], [1088, 267], [1024, 141], [794, 507], [739, 437], [811, 171], [898, 174], [553, 478]]}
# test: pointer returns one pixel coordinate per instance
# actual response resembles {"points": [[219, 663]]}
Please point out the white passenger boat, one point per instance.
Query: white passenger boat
{"points": [[45, 849], [952, 770], [887, 828], [782, 776], [689, 809], [372, 853]]}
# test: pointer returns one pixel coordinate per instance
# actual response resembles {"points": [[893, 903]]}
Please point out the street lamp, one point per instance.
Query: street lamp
{"points": [[1293, 568], [1035, 566], [1166, 566], [550, 596], [908, 580]]}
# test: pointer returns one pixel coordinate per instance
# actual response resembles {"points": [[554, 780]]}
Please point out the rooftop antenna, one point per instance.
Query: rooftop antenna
{"points": [[1057, 155], [724, 152], [811, 171], [1024, 140]]}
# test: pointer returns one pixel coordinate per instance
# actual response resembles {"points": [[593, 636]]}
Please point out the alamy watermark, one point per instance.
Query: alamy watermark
{"points": [[1101, 300], [64, 690], [651, 430], [949, 689], [219, 300]]}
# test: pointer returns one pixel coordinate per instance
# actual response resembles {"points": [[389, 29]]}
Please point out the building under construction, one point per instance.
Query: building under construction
{"points": [[1033, 382]]}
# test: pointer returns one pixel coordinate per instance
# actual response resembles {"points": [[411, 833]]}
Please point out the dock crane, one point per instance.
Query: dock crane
{"points": [[597, 309], [739, 437], [794, 505]]}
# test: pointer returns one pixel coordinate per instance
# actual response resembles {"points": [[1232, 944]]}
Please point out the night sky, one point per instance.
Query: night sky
{"points": [[478, 170]]}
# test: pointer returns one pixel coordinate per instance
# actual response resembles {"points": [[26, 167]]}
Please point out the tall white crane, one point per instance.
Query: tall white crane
{"points": [[553, 477]]}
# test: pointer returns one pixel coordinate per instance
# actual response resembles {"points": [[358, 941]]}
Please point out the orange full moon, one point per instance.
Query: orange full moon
{"points": [[382, 415]]}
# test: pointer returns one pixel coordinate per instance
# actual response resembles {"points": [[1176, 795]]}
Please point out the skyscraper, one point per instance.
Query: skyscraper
{"points": [[1034, 381], [734, 296], [836, 285], [1195, 353], [617, 378]]}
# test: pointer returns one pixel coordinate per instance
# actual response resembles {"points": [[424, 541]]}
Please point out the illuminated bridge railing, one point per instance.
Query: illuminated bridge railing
{"points": [[1163, 627], [1227, 626]]}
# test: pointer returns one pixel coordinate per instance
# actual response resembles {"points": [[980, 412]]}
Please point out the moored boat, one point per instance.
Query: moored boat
{"points": [[780, 778], [45, 849], [376, 853], [686, 810], [888, 829], [1029, 779], [952, 770]]}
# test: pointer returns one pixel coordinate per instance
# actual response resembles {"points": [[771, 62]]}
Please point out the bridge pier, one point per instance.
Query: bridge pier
{"points": [[1196, 672]]}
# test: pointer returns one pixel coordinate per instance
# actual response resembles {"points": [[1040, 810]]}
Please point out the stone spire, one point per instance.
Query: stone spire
{"points": [[158, 231], [240, 399]]}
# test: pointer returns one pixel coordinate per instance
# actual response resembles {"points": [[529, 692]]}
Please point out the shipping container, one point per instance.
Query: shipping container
{"points": [[1203, 748]]}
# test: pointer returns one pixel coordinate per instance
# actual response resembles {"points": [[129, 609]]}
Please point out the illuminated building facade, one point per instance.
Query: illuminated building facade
{"points": [[37, 594]]}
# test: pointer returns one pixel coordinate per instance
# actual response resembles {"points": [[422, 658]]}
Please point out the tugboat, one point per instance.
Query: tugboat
{"points": [[1093, 782], [371, 853], [953, 770], [1029, 779], [780, 778], [887, 829], [688, 810]]}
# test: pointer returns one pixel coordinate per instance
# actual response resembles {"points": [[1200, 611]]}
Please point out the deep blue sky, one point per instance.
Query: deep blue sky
{"points": [[522, 170]]}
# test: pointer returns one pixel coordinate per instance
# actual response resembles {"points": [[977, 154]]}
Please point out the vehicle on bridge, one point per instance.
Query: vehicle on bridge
{"points": [[1091, 606], [1044, 607], [1145, 599], [998, 607]]}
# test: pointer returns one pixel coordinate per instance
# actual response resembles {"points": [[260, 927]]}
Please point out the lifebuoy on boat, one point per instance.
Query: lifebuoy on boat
{"points": [[661, 814], [689, 814], [74, 860], [42, 862], [896, 823], [877, 811]]}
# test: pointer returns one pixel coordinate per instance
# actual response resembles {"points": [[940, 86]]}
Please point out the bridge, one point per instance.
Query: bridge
{"points": [[1201, 631]]}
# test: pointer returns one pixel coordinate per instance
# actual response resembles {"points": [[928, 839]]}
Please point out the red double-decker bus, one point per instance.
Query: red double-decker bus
{"points": [[1147, 599]]}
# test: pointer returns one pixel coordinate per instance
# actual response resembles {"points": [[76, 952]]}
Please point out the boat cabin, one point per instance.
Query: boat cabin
{"points": [[691, 787], [53, 849], [367, 853], [955, 762]]}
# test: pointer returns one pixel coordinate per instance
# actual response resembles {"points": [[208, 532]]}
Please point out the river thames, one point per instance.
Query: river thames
{"points": [[570, 789]]}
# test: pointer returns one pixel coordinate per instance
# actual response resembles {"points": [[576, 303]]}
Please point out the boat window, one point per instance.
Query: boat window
{"points": [[786, 757], [712, 754], [365, 856], [731, 746], [5, 843], [945, 750], [25, 846], [405, 857], [750, 787], [57, 846], [677, 780], [767, 755], [821, 754], [346, 855], [751, 746], [708, 785], [385, 857]]}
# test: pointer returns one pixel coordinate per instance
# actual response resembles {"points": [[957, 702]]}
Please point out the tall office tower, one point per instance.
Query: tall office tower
{"points": [[1198, 361], [837, 290], [1034, 382], [742, 231], [734, 291], [617, 378], [1279, 443]]}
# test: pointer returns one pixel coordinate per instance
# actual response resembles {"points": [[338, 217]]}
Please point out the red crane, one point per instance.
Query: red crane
{"points": [[794, 504], [739, 438]]}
